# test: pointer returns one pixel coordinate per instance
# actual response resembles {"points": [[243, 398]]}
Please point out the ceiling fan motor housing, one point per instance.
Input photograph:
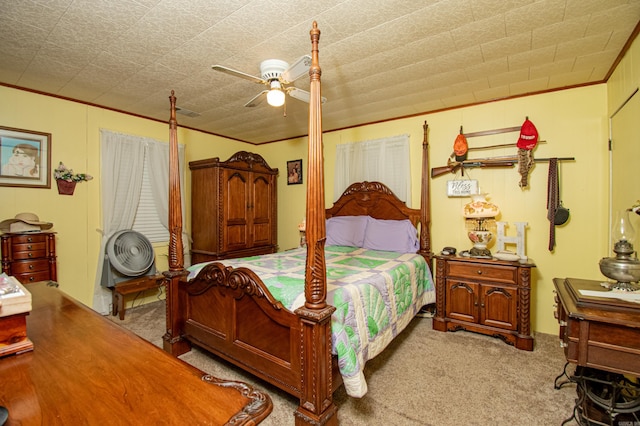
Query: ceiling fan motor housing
{"points": [[272, 69]]}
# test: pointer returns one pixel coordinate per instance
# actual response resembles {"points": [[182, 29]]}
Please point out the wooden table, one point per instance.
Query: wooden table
{"points": [[85, 369], [601, 336], [596, 332]]}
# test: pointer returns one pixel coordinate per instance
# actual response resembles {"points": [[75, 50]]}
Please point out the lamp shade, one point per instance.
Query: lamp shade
{"points": [[479, 208]]}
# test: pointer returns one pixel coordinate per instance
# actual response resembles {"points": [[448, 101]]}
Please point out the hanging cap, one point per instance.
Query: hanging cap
{"points": [[24, 222], [528, 135], [460, 145]]}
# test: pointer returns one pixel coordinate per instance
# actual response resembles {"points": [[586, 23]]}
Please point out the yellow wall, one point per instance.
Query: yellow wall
{"points": [[574, 123]]}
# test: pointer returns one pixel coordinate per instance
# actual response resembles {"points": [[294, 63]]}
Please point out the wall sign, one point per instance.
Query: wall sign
{"points": [[462, 188]]}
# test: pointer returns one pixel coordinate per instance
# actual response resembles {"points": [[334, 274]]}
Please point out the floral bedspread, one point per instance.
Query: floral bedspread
{"points": [[376, 294]]}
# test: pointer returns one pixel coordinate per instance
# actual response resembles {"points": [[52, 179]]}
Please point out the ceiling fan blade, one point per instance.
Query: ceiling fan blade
{"points": [[240, 74], [296, 70], [301, 95], [257, 99]]}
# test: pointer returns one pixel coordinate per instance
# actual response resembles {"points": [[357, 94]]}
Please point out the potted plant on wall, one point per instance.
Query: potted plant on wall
{"points": [[67, 180]]}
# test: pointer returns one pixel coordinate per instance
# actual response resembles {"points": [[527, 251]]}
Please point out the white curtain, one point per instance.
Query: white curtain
{"points": [[122, 158], [383, 160]]}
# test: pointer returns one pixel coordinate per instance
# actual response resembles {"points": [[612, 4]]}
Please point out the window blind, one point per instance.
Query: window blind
{"points": [[146, 220]]}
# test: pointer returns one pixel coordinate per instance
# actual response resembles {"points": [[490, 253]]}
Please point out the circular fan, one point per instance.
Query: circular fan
{"points": [[130, 253], [278, 76]]}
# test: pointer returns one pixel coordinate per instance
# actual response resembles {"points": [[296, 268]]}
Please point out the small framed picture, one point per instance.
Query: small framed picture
{"points": [[294, 172], [25, 158]]}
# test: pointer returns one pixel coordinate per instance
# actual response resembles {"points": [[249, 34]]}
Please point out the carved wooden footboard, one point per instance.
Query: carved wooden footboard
{"points": [[230, 313], [251, 329]]}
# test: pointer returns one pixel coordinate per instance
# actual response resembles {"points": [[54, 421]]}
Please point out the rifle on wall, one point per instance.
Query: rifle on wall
{"points": [[454, 166], [508, 161]]}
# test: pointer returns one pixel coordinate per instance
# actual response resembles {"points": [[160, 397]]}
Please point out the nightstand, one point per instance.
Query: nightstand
{"points": [[485, 296]]}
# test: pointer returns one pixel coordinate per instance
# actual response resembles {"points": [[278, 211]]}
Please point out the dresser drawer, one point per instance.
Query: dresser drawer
{"points": [[29, 254], [34, 277], [33, 266], [34, 246], [495, 273], [28, 238]]}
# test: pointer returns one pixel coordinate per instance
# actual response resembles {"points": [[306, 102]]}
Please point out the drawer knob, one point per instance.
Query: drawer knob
{"points": [[479, 272], [30, 247], [30, 254], [29, 239], [31, 278], [31, 267]]}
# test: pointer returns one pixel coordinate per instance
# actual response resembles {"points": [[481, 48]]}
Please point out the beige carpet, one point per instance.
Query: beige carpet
{"points": [[424, 377]]}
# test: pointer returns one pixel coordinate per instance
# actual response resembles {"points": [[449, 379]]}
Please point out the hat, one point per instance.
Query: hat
{"points": [[24, 222], [528, 135], [460, 147]]}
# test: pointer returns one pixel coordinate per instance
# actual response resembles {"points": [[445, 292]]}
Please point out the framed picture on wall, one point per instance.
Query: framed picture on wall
{"points": [[25, 158], [294, 172]]}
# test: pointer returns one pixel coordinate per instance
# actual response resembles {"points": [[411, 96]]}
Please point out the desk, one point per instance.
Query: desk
{"points": [[597, 333], [85, 369], [602, 337]]}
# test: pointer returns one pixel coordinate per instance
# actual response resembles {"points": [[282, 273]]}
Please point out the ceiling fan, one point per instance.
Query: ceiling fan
{"points": [[277, 75]]}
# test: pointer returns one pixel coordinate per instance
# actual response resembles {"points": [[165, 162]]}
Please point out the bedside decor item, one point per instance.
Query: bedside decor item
{"points": [[518, 240], [302, 228], [480, 222], [25, 158], [67, 180], [625, 266]]}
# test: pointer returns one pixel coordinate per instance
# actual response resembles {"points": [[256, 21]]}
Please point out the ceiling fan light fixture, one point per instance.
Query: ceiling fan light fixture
{"points": [[275, 96]]}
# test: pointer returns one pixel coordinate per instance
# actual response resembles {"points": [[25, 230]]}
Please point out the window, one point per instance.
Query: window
{"points": [[381, 160], [147, 221]]}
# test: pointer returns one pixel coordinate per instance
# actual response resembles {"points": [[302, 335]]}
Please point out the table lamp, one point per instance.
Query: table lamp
{"points": [[480, 222], [625, 266]]}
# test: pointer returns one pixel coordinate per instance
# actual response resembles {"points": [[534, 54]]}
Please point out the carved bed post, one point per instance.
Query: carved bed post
{"points": [[316, 401], [173, 343], [425, 203]]}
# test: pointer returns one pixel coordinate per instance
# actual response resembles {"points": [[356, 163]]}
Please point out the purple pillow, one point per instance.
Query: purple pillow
{"points": [[346, 230], [391, 235]]}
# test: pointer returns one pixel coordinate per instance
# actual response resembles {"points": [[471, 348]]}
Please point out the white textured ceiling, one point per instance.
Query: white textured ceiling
{"points": [[380, 59]]}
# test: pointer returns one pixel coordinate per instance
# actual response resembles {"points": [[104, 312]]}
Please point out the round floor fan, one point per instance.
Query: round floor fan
{"points": [[129, 254]]}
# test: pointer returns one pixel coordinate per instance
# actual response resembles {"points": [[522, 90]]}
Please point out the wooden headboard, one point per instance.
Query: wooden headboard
{"points": [[373, 199]]}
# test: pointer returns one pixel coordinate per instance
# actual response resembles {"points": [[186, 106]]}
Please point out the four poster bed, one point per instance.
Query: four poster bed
{"points": [[250, 316]]}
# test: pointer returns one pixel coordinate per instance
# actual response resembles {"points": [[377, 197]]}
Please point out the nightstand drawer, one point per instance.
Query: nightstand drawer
{"points": [[30, 267], [475, 271]]}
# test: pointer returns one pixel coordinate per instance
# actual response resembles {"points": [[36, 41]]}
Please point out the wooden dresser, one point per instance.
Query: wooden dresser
{"points": [[233, 207], [484, 296], [86, 370], [29, 257]]}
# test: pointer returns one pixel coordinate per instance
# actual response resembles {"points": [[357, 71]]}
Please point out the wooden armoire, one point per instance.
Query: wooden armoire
{"points": [[233, 207]]}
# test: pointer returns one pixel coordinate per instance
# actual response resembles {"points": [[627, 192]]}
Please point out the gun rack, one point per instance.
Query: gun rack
{"points": [[508, 161]]}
